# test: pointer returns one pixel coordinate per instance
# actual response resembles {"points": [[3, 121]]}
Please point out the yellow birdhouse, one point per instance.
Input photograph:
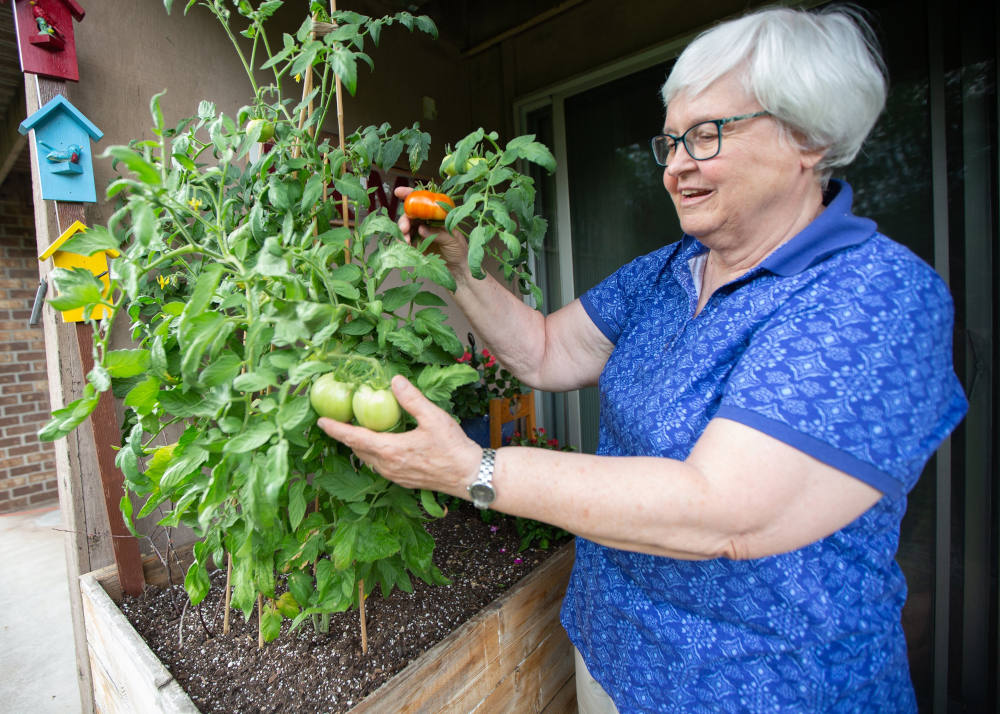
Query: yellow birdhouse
{"points": [[96, 264]]}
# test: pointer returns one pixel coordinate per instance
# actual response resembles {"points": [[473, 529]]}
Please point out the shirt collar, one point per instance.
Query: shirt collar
{"points": [[832, 230]]}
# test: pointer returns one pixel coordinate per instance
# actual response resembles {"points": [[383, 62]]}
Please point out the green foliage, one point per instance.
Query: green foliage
{"points": [[242, 285], [472, 398], [496, 204]]}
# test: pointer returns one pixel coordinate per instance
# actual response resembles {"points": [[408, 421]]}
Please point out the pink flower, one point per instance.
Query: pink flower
{"points": [[494, 529], [503, 550], [491, 361], [466, 357], [517, 561]]}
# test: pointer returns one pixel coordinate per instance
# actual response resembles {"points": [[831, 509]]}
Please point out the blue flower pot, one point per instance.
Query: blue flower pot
{"points": [[478, 429]]}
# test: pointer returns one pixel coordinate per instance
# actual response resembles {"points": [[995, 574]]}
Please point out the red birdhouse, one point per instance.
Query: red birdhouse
{"points": [[45, 37]]}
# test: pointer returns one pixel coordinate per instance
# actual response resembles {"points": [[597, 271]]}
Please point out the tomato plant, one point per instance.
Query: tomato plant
{"points": [[243, 285], [426, 205]]}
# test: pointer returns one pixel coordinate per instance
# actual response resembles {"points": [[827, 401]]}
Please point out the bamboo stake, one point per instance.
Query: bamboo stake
{"points": [[361, 611], [229, 576], [260, 621], [347, 259]]}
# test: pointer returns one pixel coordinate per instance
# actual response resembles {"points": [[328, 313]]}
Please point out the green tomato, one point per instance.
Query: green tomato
{"points": [[376, 409], [448, 167], [266, 129], [332, 398]]}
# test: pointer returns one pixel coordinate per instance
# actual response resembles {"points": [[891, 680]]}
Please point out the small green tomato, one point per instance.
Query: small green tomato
{"points": [[266, 129]]}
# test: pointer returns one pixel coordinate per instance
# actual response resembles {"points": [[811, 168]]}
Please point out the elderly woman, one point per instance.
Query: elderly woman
{"points": [[771, 387]]}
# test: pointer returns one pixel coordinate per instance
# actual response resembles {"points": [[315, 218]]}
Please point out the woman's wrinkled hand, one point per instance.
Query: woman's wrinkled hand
{"points": [[436, 455], [452, 247]]}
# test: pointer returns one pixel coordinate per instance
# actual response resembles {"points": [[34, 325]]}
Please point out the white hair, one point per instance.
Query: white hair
{"points": [[820, 74]]}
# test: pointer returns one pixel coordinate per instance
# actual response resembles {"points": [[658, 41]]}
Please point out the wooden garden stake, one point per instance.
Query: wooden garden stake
{"points": [[229, 576], [361, 609], [343, 206], [347, 259], [260, 621]]}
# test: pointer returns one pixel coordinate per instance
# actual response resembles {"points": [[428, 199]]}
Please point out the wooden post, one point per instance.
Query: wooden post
{"points": [[94, 530]]}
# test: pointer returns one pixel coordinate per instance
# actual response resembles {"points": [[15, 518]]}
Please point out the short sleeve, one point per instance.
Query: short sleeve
{"points": [[856, 370], [610, 302]]}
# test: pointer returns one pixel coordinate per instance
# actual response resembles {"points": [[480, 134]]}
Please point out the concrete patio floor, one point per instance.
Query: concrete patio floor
{"points": [[37, 658]]}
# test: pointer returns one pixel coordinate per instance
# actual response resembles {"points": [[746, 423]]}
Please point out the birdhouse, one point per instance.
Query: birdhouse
{"points": [[96, 264], [45, 40], [62, 150]]}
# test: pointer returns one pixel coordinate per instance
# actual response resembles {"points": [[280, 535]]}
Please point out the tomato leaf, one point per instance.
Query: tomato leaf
{"points": [[340, 480], [74, 288], [296, 504], [187, 463], [294, 413], [192, 404], [142, 397], [430, 504], [126, 363], [255, 381], [478, 239], [66, 419], [90, 241], [222, 370], [256, 435], [270, 623], [147, 172], [525, 147], [197, 584], [437, 383]]}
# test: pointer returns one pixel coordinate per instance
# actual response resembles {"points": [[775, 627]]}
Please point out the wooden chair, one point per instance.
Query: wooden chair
{"points": [[503, 411]]}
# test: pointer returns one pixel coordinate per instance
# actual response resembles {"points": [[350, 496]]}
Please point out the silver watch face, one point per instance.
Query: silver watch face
{"points": [[482, 494]]}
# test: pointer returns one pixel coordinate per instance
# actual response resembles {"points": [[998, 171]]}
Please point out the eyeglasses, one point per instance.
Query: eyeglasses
{"points": [[702, 141]]}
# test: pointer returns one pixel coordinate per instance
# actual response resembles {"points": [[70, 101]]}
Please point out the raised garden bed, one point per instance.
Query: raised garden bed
{"points": [[511, 655]]}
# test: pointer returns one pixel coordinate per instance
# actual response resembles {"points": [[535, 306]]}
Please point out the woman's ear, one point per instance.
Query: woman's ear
{"points": [[810, 157]]}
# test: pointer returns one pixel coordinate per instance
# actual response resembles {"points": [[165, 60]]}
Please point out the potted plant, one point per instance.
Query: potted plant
{"points": [[472, 400], [245, 276]]}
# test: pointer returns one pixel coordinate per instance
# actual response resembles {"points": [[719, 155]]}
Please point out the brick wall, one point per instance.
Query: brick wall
{"points": [[27, 466]]}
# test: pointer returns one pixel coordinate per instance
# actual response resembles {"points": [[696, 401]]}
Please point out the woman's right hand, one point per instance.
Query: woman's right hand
{"points": [[452, 247]]}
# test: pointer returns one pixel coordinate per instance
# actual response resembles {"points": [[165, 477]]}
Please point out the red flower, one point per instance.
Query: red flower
{"points": [[554, 443], [466, 357]]}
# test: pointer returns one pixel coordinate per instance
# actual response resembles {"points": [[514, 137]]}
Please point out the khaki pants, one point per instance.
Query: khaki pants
{"points": [[590, 696]]}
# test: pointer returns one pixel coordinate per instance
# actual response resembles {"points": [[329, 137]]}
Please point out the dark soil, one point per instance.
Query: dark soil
{"points": [[304, 671]]}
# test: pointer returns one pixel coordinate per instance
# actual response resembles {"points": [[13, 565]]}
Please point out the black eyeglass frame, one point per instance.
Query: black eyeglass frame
{"points": [[682, 139]]}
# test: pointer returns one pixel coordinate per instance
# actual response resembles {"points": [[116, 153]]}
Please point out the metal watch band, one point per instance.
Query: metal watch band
{"points": [[481, 491]]}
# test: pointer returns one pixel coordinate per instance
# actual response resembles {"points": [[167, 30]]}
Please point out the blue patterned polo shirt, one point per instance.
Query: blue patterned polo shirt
{"points": [[838, 344]]}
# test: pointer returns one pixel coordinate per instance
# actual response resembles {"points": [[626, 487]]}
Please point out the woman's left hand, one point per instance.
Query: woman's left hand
{"points": [[436, 455]]}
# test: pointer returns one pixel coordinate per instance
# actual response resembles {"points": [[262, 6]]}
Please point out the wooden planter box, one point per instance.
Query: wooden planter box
{"points": [[512, 656]]}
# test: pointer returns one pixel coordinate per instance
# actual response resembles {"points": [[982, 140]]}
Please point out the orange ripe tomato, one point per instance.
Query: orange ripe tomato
{"points": [[425, 205]]}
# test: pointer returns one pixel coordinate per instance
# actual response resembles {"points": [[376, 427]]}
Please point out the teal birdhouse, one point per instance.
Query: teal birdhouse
{"points": [[62, 149]]}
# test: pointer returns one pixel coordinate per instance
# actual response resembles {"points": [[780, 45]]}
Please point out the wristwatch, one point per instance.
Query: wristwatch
{"points": [[481, 491]]}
